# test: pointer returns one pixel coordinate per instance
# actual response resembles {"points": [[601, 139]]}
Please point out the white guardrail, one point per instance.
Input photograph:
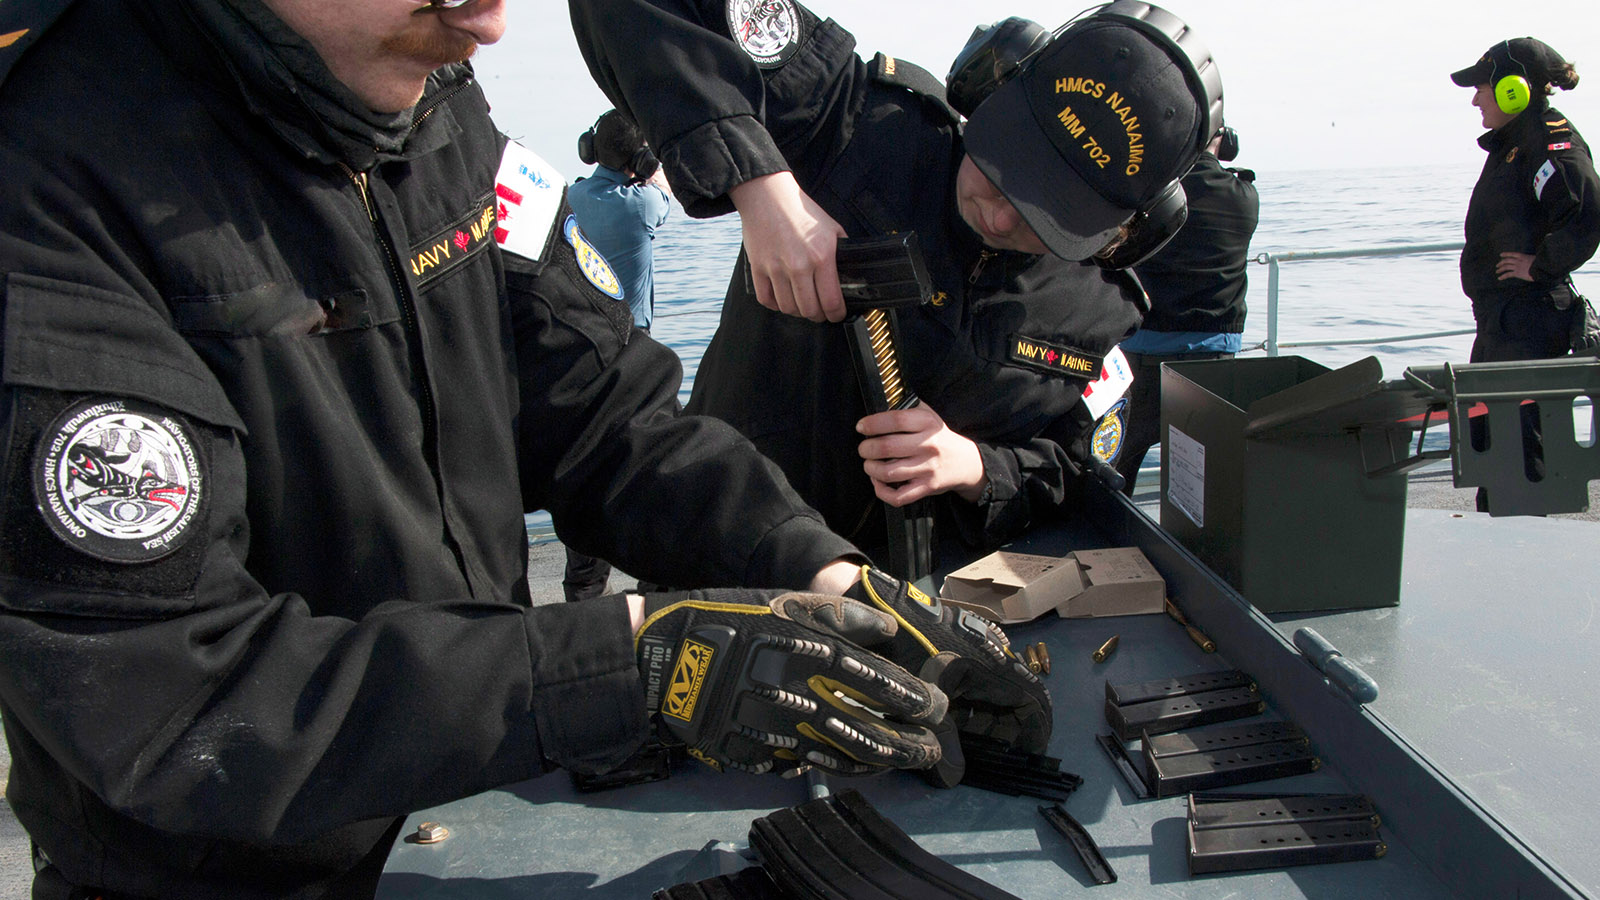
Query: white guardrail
{"points": [[1272, 260]]}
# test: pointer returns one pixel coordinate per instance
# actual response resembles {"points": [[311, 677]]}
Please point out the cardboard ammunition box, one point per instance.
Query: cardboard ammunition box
{"points": [[1018, 587]]}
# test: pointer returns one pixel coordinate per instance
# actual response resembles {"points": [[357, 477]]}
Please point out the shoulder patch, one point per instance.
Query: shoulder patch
{"points": [[1116, 376], [1562, 145], [768, 31], [594, 266], [527, 199], [1106, 443], [119, 480], [1541, 178], [1057, 359]]}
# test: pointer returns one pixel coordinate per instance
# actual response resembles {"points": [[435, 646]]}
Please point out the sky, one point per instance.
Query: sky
{"points": [[1354, 83]]}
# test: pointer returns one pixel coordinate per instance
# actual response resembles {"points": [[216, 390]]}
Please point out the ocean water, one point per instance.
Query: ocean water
{"points": [[1319, 300]]}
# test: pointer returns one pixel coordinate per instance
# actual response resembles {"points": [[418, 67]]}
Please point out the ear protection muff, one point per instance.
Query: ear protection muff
{"points": [[586, 145], [1513, 93], [992, 55], [643, 163], [1228, 148], [1156, 221], [1149, 230]]}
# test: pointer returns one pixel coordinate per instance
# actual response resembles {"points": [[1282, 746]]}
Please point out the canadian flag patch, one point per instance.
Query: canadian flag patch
{"points": [[527, 198]]}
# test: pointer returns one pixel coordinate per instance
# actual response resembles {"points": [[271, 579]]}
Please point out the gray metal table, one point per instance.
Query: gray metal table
{"points": [[542, 839]]}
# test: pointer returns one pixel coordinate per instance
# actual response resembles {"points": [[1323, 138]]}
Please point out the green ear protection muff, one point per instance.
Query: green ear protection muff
{"points": [[1512, 94]]}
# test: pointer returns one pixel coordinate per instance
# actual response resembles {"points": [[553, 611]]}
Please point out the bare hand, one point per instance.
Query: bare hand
{"points": [[791, 243], [1515, 265], [911, 453]]}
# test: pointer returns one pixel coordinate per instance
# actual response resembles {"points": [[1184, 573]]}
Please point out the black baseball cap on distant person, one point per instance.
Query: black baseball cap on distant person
{"points": [[1529, 57], [1098, 124]]}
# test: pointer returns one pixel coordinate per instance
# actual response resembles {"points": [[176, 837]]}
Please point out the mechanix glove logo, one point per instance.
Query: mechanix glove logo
{"points": [[688, 677], [118, 480]]}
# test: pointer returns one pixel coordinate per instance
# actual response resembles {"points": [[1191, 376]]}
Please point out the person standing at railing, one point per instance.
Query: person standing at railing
{"points": [[619, 207], [1196, 285], [1533, 219]]}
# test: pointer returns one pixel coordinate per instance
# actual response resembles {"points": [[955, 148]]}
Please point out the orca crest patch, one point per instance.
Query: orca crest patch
{"points": [[118, 480], [594, 266], [768, 31], [1106, 444]]}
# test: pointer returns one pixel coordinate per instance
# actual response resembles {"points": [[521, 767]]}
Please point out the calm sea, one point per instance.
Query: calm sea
{"points": [[1319, 300]]}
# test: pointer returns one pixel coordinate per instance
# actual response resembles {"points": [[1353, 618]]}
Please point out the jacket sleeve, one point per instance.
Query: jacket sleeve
{"points": [[1029, 481], [1569, 198], [673, 499], [715, 118]]}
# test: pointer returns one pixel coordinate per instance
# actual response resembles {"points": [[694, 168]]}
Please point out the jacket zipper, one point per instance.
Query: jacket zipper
{"points": [[439, 101], [407, 307], [977, 268]]}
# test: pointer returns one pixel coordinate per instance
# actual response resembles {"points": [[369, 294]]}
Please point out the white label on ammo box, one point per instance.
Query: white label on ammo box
{"points": [[1186, 475]]}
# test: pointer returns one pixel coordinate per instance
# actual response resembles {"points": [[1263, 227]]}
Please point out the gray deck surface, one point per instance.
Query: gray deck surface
{"points": [[1429, 489]]}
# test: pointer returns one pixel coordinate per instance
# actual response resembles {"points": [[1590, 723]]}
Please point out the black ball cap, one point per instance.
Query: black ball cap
{"points": [[1529, 57]]}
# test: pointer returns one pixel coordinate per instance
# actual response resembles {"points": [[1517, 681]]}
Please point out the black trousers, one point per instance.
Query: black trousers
{"points": [[1519, 323]]}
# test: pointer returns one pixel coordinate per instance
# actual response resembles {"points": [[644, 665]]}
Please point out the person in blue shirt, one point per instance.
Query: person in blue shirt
{"points": [[620, 206]]}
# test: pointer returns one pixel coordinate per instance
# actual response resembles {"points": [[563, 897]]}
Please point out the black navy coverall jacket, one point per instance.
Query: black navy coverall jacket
{"points": [[879, 156], [1197, 282], [1537, 194], [354, 419]]}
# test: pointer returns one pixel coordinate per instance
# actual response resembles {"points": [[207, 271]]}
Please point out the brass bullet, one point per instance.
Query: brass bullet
{"points": [[1031, 657], [1106, 649], [1200, 640], [1043, 653]]}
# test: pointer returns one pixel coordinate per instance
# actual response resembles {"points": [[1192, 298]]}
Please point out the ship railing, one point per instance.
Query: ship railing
{"points": [[1273, 260]]}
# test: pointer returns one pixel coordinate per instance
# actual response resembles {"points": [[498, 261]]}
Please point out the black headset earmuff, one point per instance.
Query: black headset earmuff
{"points": [[586, 152], [1228, 148], [992, 55], [1513, 93], [1155, 222], [644, 163]]}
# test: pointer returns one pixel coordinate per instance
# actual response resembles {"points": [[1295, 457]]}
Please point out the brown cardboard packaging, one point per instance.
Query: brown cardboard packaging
{"points": [[1018, 587]]}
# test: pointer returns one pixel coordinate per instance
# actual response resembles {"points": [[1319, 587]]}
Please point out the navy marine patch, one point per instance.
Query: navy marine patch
{"points": [[1057, 359], [768, 31], [118, 480]]}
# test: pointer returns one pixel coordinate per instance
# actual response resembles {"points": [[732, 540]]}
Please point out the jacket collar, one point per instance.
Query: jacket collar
{"points": [[280, 78]]}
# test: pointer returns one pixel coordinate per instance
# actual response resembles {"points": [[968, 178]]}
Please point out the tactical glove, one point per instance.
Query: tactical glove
{"points": [[991, 692], [756, 680]]}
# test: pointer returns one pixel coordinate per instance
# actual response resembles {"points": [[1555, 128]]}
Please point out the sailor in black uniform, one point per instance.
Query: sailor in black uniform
{"points": [[1534, 216], [1075, 139]]}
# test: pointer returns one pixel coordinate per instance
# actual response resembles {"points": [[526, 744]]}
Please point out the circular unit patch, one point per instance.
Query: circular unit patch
{"points": [[118, 480], [594, 266], [768, 31], [1106, 444]]}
